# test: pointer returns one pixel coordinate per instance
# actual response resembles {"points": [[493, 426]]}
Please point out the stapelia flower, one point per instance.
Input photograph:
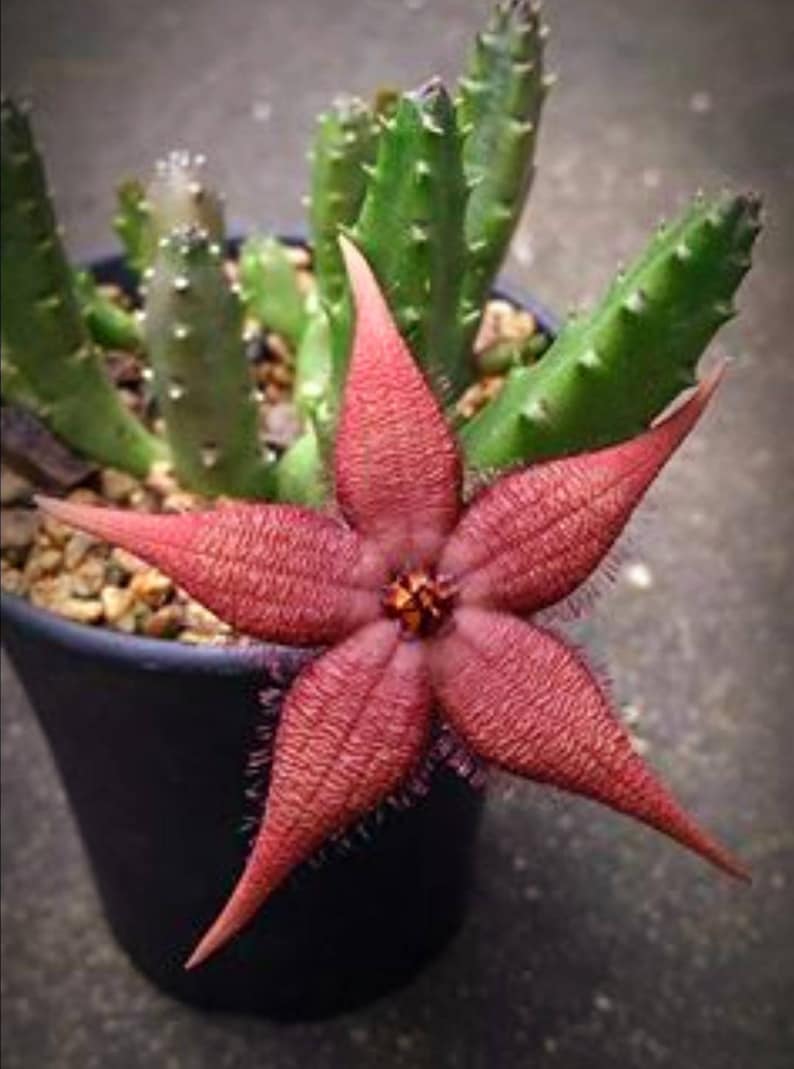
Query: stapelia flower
{"points": [[425, 604]]}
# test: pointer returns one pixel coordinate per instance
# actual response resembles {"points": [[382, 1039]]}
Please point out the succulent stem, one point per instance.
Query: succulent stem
{"points": [[498, 107], [177, 196], [313, 361], [300, 473], [201, 376], [270, 290], [44, 336], [411, 231], [608, 374], [110, 325], [131, 222], [344, 145]]}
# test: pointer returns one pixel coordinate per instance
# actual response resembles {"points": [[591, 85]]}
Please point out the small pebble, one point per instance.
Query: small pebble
{"points": [[14, 489], [123, 368], [89, 577], [127, 562], [142, 500], [478, 395], [128, 622], [77, 549], [161, 478], [181, 501], [202, 621], [151, 587], [502, 321], [83, 496], [18, 528], [116, 602], [281, 375], [58, 534], [43, 562], [282, 424], [199, 638], [278, 347], [299, 256], [11, 579], [50, 592], [118, 486], [81, 610], [132, 400], [166, 622], [306, 283]]}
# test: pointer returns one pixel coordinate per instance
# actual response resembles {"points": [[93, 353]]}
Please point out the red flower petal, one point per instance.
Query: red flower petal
{"points": [[522, 699], [397, 464], [279, 572], [354, 725], [531, 538]]}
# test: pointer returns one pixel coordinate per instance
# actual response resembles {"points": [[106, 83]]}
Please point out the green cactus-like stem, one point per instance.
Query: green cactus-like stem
{"points": [[177, 196], [300, 475], [17, 390], [269, 288], [131, 223], [498, 108], [411, 231], [610, 373], [345, 144], [44, 335], [313, 361], [110, 325], [193, 330]]}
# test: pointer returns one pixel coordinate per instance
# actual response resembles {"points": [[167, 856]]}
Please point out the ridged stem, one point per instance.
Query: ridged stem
{"points": [[44, 334], [193, 330], [609, 373]]}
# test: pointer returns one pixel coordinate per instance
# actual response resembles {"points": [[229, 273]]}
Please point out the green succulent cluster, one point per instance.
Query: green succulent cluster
{"points": [[431, 186]]}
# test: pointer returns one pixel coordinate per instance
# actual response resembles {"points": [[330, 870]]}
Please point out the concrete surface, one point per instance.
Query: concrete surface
{"points": [[592, 944]]}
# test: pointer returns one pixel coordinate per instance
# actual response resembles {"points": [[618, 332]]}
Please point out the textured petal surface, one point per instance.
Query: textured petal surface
{"points": [[353, 727], [533, 537], [524, 700], [397, 464], [279, 572]]}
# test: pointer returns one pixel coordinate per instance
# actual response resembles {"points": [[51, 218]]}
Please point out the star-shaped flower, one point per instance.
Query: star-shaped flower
{"points": [[425, 604]]}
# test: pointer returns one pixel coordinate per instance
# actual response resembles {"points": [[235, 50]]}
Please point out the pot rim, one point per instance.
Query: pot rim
{"points": [[156, 654]]}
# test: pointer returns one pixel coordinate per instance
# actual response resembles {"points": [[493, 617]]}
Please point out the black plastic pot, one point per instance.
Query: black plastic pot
{"points": [[151, 739]]}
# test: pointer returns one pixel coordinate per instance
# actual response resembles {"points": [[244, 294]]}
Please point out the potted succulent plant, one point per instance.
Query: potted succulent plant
{"points": [[397, 595]]}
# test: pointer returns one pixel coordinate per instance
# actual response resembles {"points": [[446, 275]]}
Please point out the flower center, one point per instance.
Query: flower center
{"points": [[420, 600]]}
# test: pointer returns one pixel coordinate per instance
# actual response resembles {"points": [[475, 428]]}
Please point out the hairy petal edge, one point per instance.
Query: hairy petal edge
{"points": [[279, 572], [533, 537], [354, 726], [521, 698]]}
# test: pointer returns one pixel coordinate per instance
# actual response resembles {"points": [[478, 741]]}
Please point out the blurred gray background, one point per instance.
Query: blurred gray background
{"points": [[591, 943]]}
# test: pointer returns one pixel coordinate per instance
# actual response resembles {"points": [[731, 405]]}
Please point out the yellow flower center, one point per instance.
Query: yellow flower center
{"points": [[420, 600]]}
